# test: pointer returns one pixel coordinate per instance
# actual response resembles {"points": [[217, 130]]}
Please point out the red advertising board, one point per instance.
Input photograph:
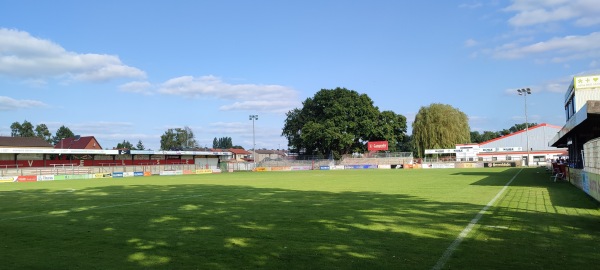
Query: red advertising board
{"points": [[27, 178], [377, 146]]}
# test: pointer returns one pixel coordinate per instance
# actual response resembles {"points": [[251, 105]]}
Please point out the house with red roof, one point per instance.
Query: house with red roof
{"points": [[78, 142], [240, 155]]}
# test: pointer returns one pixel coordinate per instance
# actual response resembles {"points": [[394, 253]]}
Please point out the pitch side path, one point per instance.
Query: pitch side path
{"points": [[486, 218]]}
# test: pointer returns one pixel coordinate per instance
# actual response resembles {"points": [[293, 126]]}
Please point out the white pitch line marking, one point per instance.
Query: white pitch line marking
{"points": [[450, 250]]}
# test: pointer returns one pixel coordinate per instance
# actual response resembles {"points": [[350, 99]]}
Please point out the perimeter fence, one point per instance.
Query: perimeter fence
{"points": [[389, 158]]}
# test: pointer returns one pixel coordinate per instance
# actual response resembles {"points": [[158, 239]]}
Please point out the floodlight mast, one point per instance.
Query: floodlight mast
{"points": [[524, 92], [253, 117]]}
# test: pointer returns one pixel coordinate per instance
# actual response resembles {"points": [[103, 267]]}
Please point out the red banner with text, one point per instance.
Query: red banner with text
{"points": [[377, 146]]}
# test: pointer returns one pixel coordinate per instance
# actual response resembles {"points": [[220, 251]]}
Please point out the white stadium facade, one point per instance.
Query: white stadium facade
{"points": [[510, 149]]}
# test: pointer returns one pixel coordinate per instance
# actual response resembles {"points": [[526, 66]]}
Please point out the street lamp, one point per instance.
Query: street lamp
{"points": [[253, 117], [524, 92]]}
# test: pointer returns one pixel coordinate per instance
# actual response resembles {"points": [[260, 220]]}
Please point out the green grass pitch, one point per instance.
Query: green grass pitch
{"points": [[351, 219]]}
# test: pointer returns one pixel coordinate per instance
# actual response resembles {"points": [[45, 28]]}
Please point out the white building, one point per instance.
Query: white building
{"points": [[511, 148], [537, 138]]}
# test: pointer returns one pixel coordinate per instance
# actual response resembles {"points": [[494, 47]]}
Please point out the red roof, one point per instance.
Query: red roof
{"points": [[563, 152], [239, 151], [519, 132], [78, 143]]}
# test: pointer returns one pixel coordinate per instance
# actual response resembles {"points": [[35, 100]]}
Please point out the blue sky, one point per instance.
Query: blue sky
{"points": [[130, 70]]}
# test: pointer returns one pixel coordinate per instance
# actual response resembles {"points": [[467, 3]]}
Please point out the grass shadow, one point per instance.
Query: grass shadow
{"points": [[223, 227], [212, 226]]}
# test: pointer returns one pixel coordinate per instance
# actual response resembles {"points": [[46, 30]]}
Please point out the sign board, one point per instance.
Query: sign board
{"points": [[474, 150], [586, 82], [509, 149], [439, 151], [377, 146]]}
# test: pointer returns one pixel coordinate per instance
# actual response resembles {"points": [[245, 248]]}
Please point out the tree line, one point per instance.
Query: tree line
{"points": [[477, 137], [26, 129], [172, 139], [335, 122], [332, 123], [184, 139]]}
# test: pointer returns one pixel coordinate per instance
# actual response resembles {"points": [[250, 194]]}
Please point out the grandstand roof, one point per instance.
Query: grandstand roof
{"points": [[23, 142], [582, 127]]}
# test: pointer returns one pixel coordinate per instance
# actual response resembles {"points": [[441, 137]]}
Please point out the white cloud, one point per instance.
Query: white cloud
{"points": [[533, 19], [555, 85], [472, 5], [28, 57], [471, 43], [561, 48], [236, 128], [558, 85], [475, 118], [475, 123], [277, 106], [100, 127], [141, 87], [10, 104], [252, 97], [533, 12]]}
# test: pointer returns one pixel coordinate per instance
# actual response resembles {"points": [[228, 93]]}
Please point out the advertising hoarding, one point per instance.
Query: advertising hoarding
{"points": [[377, 146]]}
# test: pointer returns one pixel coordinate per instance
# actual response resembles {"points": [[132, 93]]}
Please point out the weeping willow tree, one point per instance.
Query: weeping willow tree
{"points": [[439, 126]]}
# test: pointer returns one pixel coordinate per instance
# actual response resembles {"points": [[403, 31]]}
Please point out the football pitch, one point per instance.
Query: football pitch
{"points": [[488, 218]]}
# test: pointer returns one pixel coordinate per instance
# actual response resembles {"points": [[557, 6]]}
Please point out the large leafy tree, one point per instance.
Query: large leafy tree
{"points": [[178, 139], [26, 129], [339, 121], [168, 141], [390, 127], [42, 131], [476, 137], [22, 130], [439, 126], [15, 129], [406, 144], [187, 138], [62, 133]]}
